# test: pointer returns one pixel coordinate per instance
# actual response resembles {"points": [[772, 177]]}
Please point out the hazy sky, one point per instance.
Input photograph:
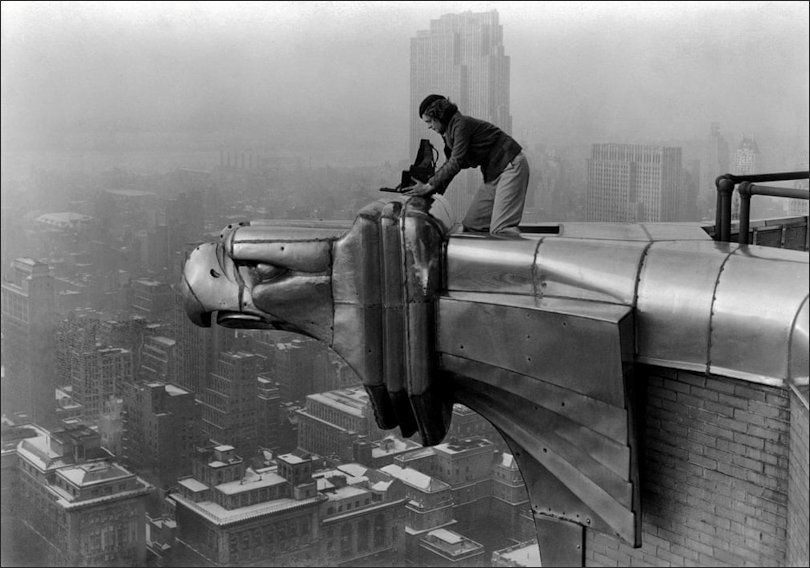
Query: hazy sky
{"points": [[332, 78]]}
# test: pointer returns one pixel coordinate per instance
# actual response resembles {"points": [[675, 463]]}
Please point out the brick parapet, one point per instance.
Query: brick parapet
{"points": [[798, 525], [714, 468]]}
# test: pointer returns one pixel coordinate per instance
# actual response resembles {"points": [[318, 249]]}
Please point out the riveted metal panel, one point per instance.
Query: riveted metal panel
{"points": [[570, 435], [423, 240], [800, 347], [490, 264], [393, 332], [306, 256], [587, 269], [605, 419], [358, 340], [616, 514], [606, 231], [751, 328], [632, 232], [420, 353], [675, 294], [541, 343], [557, 436], [675, 232], [561, 543], [548, 495], [356, 265], [304, 300]]}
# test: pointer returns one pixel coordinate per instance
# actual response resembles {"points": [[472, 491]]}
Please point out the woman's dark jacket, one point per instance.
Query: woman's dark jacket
{"points": [[469, 143]]}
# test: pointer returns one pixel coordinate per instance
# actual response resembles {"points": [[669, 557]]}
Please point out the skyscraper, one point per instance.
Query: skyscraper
{"points": [[162, 425], [715, 164], [746, 157], [746, 162], [97, 375], [461, 56], [29, 341], [229, 402], [631, 183]]}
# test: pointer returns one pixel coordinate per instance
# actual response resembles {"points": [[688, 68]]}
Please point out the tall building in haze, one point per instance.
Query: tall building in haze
{"points": [[632, 183], [746, 162], [746, 157], [29, 341], [462, 57], [229, 403], [715, 164]]}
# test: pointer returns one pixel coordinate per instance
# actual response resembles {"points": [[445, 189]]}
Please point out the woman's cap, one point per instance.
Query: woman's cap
{"points": [[429, 100]]}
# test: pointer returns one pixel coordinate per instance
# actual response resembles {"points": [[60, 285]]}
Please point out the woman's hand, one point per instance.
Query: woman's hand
{"points": [[419, 188]]}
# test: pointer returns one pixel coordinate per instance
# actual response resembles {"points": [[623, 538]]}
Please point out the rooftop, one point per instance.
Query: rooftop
{"points": [[521, 554], [415, 478], [249, 482], [351, 400], [93, 473], [458, 446], [222, 516]]}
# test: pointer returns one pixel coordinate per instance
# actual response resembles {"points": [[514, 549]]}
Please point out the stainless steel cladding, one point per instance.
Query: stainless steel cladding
{"points": [[541, 335], [699, 305]]}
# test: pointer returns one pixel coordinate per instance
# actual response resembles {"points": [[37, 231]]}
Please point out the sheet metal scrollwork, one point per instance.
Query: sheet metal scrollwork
{"points": [[541, 335], [367, 290]]}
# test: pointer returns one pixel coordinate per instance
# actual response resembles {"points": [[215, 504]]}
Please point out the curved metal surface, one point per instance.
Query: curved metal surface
{"points": [[602, 270], [476, 264], [675, 295], [539, 334], [800, 347], [750, 323]]}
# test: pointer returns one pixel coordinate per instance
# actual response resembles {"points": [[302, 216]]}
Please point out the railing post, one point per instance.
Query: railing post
{"points": [[745, 211], [725, 187]]}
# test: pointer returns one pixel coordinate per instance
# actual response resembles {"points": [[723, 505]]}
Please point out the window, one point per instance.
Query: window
{"points": [[346, 539], [379, 531]]}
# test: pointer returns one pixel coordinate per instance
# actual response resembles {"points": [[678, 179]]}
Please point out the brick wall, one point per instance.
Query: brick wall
{"points": [[798, 527], [714, 474]]}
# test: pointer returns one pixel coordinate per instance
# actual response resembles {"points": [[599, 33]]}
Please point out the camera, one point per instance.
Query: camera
{"points": [[422, 169]]}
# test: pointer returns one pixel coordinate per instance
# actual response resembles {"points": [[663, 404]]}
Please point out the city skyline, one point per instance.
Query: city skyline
{"points": [[328, 81], [132, 133]]}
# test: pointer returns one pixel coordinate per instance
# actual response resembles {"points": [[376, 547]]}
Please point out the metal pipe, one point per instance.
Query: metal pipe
{"points": [[725, 187], [792, 192], [718, 205], [748, 189], [745, 211], [783, 176]]}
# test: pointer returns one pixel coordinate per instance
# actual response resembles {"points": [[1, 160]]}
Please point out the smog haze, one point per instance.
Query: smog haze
{"points": [[329, 81]]}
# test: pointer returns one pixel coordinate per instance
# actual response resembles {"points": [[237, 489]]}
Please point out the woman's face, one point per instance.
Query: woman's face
{"points": [[433, 124]]}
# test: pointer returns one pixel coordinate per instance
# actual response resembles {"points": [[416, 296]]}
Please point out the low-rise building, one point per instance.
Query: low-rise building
{"points": [[443, 547], [331, 421], [522, 554], [88, 509], [363, 518], [231, 515]]}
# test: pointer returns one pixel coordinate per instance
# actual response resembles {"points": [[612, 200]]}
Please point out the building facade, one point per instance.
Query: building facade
{"points": [[634, 183], [229, 402], [29, 341], [332, 421], [161, 432], [716, 162], [268, 414], [99, 375], [87, 509], [230, 515]]}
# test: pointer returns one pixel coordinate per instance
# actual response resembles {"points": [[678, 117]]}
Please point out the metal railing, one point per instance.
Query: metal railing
{"points": [[725, 188]]}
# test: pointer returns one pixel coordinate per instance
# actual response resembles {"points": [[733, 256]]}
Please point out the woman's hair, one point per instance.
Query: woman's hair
{"points": [[441, 109]]}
